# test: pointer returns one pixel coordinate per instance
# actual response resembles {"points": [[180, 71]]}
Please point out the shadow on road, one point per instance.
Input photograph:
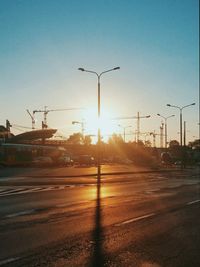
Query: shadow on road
{"points": [[97, 236]]}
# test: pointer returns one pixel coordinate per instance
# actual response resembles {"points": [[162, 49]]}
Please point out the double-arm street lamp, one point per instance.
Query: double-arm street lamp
{"points": [[124, 129], [181, 120], [165, 118], [99, 111]]}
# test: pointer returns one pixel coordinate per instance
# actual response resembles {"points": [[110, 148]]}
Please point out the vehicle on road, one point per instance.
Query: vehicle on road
{"points": [[65, 161], [166, 158], [86, 160]]}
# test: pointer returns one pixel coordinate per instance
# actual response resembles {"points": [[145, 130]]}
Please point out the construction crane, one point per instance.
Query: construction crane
{"points": [[138, 117], [32, 118], [46, 111], [154, 134]]}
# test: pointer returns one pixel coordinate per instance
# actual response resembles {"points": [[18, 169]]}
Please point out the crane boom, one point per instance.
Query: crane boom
{"points": [[138, 117], [46, 111]]}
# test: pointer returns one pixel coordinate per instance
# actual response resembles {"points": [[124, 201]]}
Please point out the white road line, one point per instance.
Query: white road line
{"points": [[21, 191], [30, 190], [135, 219], [13, 190], [3, 262], [24, 190], [193, 202], [152, 190], [20, 213], [5, 189]]}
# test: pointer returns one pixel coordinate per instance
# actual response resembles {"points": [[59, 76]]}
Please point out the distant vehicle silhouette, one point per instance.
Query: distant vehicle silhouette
{"points": [[65, 161], [166, 158], [86, 160]]}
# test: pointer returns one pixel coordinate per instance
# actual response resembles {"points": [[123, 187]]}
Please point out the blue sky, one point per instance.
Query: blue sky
{"points": [[155, 42]]}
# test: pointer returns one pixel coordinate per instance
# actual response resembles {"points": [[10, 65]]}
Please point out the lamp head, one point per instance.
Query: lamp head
{"points": [[193, 104], [168, 105], [82, 69], [158, 114], [116, 68], [148, 116]]}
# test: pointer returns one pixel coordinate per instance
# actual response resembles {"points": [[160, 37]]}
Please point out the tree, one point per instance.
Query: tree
{"points": [[173, 144], [147, 143], [115, 139], [75, 139], [87, 140], [140, 143]]}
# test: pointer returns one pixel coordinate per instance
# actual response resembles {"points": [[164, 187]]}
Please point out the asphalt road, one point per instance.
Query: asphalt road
{"points": [[142, 219]]}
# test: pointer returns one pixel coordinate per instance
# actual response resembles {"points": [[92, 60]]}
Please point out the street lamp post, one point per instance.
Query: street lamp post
{"points": [[138, 117], [181, 120], [165, 118], [124, 130], [99, 111], [138, 124]]}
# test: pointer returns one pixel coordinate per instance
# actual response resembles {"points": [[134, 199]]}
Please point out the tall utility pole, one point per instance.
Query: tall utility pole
{"points": [[181, 109], [184, 133], [138, 124], [99, 112], [138, 117], [154, 138], [165, 118], [124, 130], [154, 134], [161, 134]]}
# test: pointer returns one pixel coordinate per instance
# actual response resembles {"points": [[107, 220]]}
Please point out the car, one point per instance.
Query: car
{"points": [[65, 161], [86, 160], [166, 158], [178, 162]]}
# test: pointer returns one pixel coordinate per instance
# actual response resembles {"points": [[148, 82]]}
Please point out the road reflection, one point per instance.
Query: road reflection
{"points": [[92, 193], [97, 235]]}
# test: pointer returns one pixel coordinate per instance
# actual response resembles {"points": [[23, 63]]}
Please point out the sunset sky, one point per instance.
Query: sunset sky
{"points": [[155, 43]]}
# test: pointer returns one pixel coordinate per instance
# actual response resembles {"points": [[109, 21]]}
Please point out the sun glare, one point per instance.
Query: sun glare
{"points": [[105, 123]]}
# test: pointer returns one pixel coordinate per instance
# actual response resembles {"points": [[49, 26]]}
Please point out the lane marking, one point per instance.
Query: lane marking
{"points": [[24, 190], [13, 191], [152, 190], [135, 219], [30, 190], [3, 262], [20, 213], [193, 202]]}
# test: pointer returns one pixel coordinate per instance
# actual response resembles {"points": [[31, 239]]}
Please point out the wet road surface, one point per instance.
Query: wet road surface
{"points": [[149, 219]]}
